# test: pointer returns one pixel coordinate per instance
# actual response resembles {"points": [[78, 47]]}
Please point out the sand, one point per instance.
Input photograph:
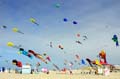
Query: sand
{"points": [[58, 75]]}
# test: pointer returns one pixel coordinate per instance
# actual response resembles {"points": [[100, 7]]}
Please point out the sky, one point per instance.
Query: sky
{"points": [[96, 19]]}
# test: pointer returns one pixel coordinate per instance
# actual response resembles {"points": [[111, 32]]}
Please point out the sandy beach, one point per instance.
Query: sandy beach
{"points": [[58, 75]]}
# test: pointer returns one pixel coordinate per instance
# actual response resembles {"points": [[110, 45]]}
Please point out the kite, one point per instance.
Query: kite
{"points": [[4, 27], [78, 42], [85, 37], [83, 62], [102, 56], [74, 22], [44, 54], [61, 47], [65, 20], [17, 63], [101, 62], [34, 21], [48, 58], [115, 39], [57, 5], [37, 55], [56, 67], [22, 51], [17, 30], [97, 62], [11, 44], [51, 44], [78, 35], [89, 61]]}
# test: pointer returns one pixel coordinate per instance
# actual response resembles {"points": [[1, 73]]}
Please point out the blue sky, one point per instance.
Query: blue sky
{"points": [[97, 19]]}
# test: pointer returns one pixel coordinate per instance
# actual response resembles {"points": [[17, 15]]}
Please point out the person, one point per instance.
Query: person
{"points": [[3, 69], [70, 70]]}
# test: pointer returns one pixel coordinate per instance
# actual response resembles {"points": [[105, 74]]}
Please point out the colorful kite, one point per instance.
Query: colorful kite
{"points": [[22, 51], [17, 30], [11, 44], [102, 56], [115, 39], [17, 63], [34, 21], [37, 55], [48, 58], [97, 62]]}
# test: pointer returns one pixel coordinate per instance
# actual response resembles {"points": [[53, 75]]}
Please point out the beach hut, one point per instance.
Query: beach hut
{"points": [[26, 69]]}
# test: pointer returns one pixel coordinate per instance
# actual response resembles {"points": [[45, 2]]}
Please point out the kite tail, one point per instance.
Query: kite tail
{"points": [[20, 32], [36, 23], [17, 47]]}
